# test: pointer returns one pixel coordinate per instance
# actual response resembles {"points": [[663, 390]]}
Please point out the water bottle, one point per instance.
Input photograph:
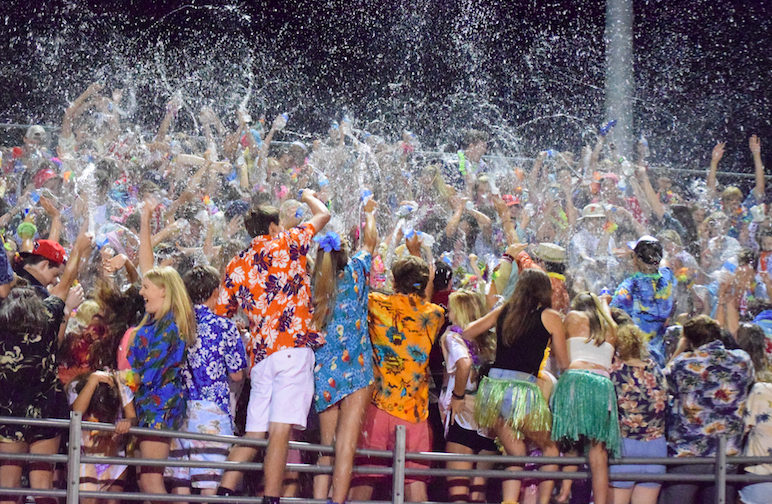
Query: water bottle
{"points": [[627, 167], [404, 210], [366, 196], [281, 121], [34, 196], [323, 180], [607, 127], [605, 291], [645, 144], [552, 153]]}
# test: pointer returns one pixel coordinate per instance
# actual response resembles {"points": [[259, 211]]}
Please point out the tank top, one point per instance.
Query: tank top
{"points": [[588, 351], [528, 351]]}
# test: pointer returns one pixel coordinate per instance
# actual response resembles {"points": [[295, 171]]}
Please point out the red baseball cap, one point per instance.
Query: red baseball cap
{"points": [[42, 176], [510, 200], [51, 250]]}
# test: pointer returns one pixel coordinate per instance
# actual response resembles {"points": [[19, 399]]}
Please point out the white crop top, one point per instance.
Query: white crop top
{"points": [[581, 350]]}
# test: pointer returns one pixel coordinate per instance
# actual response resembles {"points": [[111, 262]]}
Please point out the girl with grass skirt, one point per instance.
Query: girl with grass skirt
{"points": [[508, 399], [584, 404]]}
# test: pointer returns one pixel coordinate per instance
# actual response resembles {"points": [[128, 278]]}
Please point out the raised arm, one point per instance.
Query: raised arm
{"points": [[56, 218], [82, 244], [755, 145], [481, 325], [370, 240], [715, 157], [321, 216], [145, 240]]}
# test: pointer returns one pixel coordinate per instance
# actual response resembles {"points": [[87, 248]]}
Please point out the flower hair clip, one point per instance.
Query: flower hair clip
{"points": [[329, 241]]}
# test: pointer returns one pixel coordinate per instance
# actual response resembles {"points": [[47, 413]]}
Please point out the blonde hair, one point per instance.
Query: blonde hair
{"points": [[601, 323], [630, 342], [176, 300], [328, 266], [468, 306]]}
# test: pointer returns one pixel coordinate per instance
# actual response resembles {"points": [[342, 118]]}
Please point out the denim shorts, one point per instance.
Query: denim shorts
{"points": [[640, 449], [508, 374], [756, 493]]}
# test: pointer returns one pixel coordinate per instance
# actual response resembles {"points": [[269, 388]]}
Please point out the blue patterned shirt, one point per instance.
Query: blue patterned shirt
{"points": [[710, 387], [218, 351]]}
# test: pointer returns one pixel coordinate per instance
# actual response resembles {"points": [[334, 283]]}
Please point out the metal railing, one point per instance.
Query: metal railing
{"points": [[398, 470]]}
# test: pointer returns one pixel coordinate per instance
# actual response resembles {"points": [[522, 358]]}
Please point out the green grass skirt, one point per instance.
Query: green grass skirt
{"points": [[526, 412], [585, 408]]}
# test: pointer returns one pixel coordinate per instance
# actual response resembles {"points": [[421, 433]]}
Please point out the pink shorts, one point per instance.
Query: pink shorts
{"points": [[378, 434], [282, 390]]}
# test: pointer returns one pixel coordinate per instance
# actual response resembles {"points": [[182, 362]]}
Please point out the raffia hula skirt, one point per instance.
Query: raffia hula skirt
{"points": [[513, 396], [584, 406]]}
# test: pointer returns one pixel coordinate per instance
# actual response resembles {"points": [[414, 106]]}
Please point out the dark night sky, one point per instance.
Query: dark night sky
{"points": [[703, 69]]}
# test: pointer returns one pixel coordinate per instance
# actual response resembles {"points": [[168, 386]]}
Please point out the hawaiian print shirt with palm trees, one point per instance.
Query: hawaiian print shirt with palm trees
{"points": [[402, 329]]}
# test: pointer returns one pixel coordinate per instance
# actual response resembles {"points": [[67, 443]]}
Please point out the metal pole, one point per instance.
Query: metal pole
{"points": [[619, 72], [73, 459], [398, 465], [721, 471]]}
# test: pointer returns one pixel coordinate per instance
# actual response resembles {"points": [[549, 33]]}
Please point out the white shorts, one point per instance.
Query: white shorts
{"points": [[282, 390]]}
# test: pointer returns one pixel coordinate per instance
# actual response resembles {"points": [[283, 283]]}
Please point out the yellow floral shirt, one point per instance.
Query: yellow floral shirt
{"points": [[402, 329]]}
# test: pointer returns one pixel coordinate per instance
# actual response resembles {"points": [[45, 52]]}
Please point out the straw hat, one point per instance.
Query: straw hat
{"points": [[550, 252]]}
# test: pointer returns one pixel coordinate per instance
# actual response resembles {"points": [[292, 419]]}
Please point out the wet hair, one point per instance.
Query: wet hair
{"points": [[701, 329], [235, 208], [411, 275], [228, 250], [258, 220], [752, 339], [329, 265], [746, 256], [201, 282], [176, 300], [731, 193], [474, 136], [630, 343], [621, 317], [23, 312], [443, 276], [468, 306], [601, 322], [533, 290], [105, 402], [649, 253]]}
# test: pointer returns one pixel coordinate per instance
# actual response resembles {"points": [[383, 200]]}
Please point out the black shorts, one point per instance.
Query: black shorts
{"points": [[470, 439]]}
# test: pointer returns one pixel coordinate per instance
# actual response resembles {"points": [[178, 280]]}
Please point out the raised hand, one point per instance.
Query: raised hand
{"points": [[755, 144], [718, 152]]}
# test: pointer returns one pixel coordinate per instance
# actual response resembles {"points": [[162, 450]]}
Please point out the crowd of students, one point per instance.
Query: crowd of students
{"points": [[566, 307]]}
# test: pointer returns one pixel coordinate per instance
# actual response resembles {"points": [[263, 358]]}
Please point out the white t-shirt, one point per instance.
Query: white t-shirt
{"points": [[454, 349]]}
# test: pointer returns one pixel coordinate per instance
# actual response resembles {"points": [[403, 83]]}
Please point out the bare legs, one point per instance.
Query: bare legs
{"points": [[636, 495], [41, 474], [152, 478], [599, 467], [461, 489], [343, 424], [516, 447]]}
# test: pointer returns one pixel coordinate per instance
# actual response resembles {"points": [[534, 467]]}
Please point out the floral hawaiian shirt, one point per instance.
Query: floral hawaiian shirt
{"points": [[758, 423], [402, 329], [218, 352], [641, 399], [157, 355], [710, 387], [270, 283]]}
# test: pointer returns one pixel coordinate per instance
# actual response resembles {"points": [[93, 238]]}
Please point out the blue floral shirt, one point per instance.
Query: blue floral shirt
{"points": [[648, 299], [218, 352], [710, 387]]}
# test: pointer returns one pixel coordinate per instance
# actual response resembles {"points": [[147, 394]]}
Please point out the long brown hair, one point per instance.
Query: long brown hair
{"points": [[328, 268], [532, 291], [601, 323]]}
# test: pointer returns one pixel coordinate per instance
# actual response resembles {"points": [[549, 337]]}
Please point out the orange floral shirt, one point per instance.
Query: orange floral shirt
{"points": [[402, 329], [270, 283]]}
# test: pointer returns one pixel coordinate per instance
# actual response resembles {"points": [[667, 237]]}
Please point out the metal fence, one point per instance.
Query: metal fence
{"points": [[398, 457]]}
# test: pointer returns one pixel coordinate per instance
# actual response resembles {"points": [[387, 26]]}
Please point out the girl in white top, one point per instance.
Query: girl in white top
{"points": [[463, 359], [584, 402]]}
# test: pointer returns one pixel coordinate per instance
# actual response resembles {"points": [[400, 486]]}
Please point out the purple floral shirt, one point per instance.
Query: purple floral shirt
{"points": [[641, 399]]}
